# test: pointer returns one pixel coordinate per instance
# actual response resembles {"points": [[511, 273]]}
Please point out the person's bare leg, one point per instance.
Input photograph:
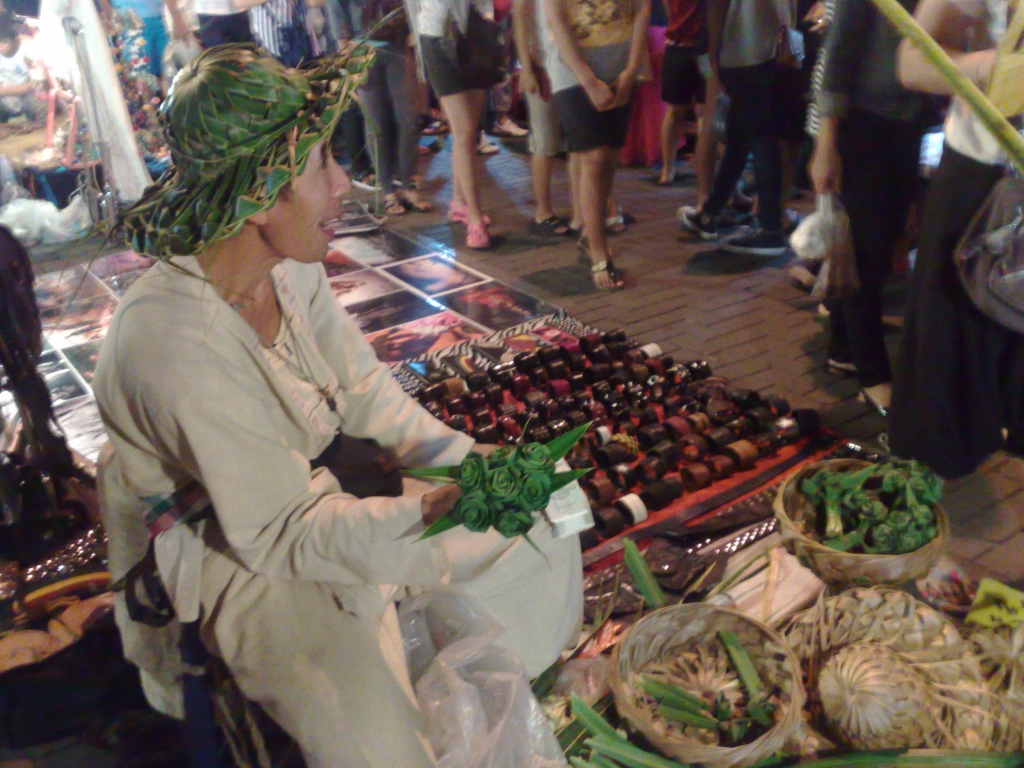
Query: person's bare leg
{"points": [[542, 167], [790, 151], [706, 155], [671, 130], [575, 169], [463, 111], [594, 203]]}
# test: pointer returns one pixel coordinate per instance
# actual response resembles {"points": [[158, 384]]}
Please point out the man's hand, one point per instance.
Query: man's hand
{"points": [[484, 449], [600, 95], [528, 79], [623, 88], [826, 170], [439, 501]]}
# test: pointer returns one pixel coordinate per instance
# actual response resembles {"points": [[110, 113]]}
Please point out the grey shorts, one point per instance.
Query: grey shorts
{"points": [[545, 129]]}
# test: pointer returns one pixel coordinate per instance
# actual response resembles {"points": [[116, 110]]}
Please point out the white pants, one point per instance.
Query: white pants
{"points": [[337, 683]]}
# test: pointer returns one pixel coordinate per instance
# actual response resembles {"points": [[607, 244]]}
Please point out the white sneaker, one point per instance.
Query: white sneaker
{"points": [[507, 127], [686, 212], [486, 148]]}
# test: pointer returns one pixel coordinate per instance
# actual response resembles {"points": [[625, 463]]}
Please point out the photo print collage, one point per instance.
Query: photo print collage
{"points": [[424, 313]]}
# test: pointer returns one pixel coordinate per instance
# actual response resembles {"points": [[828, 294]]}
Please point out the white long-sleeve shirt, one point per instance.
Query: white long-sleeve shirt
{"points": [[187, 395]]}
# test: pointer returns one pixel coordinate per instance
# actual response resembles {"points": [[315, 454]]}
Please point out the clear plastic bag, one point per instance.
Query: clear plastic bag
{"points": [[35, 221], [475, 697], [825, 234]]}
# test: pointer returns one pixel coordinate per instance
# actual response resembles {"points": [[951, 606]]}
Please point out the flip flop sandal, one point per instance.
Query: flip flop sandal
{"points": [[418, 204], [393, 205], [554, 226], [615, 224], [617, 276]]}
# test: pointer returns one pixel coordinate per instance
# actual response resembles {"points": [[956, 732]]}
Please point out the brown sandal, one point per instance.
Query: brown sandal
{"points": [[393, 205], [414, 201]]}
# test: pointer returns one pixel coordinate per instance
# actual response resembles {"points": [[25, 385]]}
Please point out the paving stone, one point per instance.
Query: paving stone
{"points": [[1006, 560]]}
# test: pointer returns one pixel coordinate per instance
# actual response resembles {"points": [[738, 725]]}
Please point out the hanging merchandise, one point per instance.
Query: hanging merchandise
{"points": [[73, 35]]}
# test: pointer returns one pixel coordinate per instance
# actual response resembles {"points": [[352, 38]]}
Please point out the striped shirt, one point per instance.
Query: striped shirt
{"points": [[270, 21]]}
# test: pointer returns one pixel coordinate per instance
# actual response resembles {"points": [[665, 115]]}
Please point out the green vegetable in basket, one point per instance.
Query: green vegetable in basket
{"points": [[645, 581], [833, 511], [675, 697], [687, 718]]}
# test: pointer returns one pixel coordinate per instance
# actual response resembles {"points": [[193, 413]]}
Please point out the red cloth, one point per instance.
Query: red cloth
{"points": [[685, 21], [643, 139]]}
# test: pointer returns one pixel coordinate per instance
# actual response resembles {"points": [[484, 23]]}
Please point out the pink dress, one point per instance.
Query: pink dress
{"points": [[643, 140]]}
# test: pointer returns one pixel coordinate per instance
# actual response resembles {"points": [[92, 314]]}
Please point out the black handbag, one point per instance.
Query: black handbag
{"points": [[990, 255], [479, 53]]}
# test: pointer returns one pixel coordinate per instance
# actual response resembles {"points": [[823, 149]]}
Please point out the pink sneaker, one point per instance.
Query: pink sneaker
{"points": [[477, 237], [460, 214]]}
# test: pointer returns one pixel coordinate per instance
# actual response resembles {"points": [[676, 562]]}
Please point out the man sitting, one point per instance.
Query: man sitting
{"points": [[20, 76]]}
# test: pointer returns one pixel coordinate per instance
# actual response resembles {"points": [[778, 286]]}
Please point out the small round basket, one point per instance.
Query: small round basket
{"points": [[796, 517], [687, 634]]}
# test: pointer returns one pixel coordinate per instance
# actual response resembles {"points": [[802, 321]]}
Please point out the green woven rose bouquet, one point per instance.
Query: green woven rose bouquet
{"points": [[505, 490]]}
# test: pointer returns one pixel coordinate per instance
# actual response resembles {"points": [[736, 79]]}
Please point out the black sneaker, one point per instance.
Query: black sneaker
{"points": [[698, 223], [758, 243]]}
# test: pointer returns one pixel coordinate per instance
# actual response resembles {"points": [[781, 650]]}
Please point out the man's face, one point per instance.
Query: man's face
{"points": [[296, 225]]}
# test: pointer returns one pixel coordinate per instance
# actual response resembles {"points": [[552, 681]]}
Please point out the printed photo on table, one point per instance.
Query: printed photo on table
{"points": [[361, 286], [391, 310], [496, 306], [553, 335], [420, 337], [435, 274], [83, 358], [337, 263], [368, 251], [56, 291], [85, 320]]}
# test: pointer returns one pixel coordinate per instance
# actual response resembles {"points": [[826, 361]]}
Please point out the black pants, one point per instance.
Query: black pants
{"points": [[217, 30], [350, 138], [751, 126], [958, 377], [880, 161]]}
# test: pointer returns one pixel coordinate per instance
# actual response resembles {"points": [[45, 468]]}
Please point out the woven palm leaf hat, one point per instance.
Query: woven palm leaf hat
{"points": [[240, 126]]}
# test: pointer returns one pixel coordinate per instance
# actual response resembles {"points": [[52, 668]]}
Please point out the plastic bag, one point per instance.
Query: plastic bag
{"points": [[475, 697], [40, 221], [825, 234]]}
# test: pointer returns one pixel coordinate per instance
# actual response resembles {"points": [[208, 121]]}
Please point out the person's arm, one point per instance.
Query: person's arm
{"points": [[179, 26], [377, 406], [598, 92], [716, 13], [17, 90], [524, 31], [843, 55], [624, 83], [948, 23]]}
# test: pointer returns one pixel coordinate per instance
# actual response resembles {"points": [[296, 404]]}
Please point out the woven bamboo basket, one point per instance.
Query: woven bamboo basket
{"points": [[680, 644], [1001, 653], [796, 519], [958, 700]]}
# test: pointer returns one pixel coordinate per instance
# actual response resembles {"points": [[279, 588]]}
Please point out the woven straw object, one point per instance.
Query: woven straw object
{"points": [[958, 701], [680, 645], [797, 519], [1001, 654]]}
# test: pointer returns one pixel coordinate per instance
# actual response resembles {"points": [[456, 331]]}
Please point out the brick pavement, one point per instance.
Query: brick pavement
{"points": [[740, 313]]}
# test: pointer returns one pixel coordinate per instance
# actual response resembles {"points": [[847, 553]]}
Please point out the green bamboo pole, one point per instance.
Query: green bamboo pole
{"points": [[1009, 139]]}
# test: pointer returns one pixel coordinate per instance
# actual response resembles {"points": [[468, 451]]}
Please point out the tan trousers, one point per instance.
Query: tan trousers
{"points": [[337, 683]]}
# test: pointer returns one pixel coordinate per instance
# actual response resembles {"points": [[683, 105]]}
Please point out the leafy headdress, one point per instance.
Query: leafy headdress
{"points": [[240, 126]]}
